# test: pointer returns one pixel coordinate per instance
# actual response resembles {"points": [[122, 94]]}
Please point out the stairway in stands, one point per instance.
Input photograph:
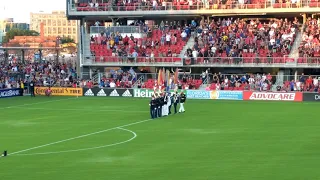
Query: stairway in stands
{"points": [[279, 80], [86, 48], [295, 47], [189, 44]]}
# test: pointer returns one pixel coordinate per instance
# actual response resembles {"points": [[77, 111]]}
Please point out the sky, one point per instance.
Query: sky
{"points": [[20, 10]]}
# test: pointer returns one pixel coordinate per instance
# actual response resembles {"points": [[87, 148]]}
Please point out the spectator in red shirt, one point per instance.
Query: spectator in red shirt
{"points": [[309, 82]]}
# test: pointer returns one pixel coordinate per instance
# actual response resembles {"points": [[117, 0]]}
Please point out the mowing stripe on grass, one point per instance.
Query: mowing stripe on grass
{"points": [[78, 137], [82, 109], [85, 149], [37, 103]]}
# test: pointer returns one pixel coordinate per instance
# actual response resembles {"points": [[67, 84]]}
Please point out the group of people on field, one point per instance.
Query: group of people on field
{"points": [[161, 103]]}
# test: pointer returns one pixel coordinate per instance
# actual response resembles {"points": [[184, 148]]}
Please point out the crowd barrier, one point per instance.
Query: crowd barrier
{"points": [[191, 94], [4, 93]]}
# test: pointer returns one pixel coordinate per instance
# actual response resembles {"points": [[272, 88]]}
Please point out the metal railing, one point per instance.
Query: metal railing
{"points": [[169, 6], [115, 29], [135, 60], [206, 61]]}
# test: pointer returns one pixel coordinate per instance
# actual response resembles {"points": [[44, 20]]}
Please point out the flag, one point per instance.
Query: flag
{"points": [[160, 77], [167, 78], [176, 76], [163, 76]]}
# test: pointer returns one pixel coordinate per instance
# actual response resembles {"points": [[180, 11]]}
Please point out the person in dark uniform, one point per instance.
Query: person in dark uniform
{"points": [[170, 100], [161, 103], [152, 107], [182, 101], [31, 85], [175, 101], [157, 104]]}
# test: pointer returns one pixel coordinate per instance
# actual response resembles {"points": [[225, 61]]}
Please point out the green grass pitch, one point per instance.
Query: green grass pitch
{"points": [[63, 138]]}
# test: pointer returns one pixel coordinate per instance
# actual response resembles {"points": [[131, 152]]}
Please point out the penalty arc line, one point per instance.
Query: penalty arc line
{"points": [[85, 149], [78, 137]]}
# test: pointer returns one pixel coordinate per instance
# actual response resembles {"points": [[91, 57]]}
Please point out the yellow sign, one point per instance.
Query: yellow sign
{"points": [[214, 95], [66, 45], [56, 91]]}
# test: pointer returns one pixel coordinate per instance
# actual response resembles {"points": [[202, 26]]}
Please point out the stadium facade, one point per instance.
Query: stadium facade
{"points": [[95, 57]]}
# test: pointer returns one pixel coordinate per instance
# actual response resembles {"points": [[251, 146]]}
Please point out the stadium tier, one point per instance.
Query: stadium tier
{"points": [[179, 5], [219, 42]]}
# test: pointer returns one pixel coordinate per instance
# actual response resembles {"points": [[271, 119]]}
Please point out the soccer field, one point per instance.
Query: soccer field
{"points": [[113, 138]]}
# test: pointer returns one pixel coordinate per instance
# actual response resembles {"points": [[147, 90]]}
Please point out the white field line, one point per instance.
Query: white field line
{"points": [[82, 109], [78, 137], [85, 149], [43, 102]]}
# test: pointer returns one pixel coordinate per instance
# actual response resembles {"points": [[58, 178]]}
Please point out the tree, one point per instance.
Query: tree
{"points": [[18, 32], [65, 39]]}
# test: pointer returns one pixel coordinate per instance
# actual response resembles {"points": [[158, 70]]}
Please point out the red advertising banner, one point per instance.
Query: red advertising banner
{"points": [[272, 96]]}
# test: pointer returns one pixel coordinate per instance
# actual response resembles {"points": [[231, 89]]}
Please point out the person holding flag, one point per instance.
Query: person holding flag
{"points": [[175, 100], [169, 103], [153, 107]]}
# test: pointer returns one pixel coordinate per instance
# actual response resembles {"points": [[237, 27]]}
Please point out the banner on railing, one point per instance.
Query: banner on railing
{"points": [[4, 93], [111, 92], [272, 96], [227, 95], [309, 96], [56, 91]]}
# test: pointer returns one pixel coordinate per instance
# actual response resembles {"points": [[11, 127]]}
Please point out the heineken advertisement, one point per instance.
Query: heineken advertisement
{"points": [[146, 93]]}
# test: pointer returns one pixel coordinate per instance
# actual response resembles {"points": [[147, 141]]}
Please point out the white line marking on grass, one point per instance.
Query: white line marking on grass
{"points": [[85, 149], [78, 137], [37, 103]]}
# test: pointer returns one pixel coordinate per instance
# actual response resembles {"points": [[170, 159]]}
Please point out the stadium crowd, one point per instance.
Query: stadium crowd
{"points": [[43, 74], [234, 39], [219, 40], [148, 5], [63, 75], [118, 79], [167, 41]]}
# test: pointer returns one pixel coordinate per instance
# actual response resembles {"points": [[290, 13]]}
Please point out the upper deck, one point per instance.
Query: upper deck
{"points": [[262, 7]]}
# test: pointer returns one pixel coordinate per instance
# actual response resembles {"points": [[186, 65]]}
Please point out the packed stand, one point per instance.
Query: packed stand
{"points": [[44, 74], [10, 76], [185, 81], [158, 5], [309, 49], [115, 79], [303, 83], [258, 82], [159, 45], [242, 41]]}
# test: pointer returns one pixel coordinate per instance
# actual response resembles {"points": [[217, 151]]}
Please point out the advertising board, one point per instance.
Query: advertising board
{"points": [[59, 91], [272, 96], [146, 93], [226, 95], [309, 96], [4, 93], [110, 92], [198, 94]]}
